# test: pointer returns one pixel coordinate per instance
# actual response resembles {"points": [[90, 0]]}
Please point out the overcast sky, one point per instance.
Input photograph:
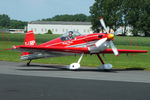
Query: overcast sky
{"points": [[29, 10]]}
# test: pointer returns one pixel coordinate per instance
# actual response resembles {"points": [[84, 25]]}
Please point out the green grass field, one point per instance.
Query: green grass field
{"points": [[122, 61]]}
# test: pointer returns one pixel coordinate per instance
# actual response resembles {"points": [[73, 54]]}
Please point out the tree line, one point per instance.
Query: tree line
{"points": [[133, 13], [6, 22], [67, 17]]}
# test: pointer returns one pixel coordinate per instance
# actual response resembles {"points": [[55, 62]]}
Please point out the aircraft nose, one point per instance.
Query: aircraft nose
{"points": [[110, 36]]}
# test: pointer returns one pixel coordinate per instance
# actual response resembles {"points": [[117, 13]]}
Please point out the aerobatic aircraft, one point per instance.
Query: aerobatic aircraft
{"points": [[72, 43]]}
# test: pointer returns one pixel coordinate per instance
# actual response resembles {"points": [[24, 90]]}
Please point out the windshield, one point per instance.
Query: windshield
{"points": [[69, 35]]}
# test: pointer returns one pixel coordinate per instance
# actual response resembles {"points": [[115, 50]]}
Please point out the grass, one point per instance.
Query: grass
{"points": [[132, 41], [20, 37], [122, 61]]}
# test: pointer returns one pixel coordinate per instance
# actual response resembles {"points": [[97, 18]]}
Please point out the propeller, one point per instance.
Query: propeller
{"points": [[114, 49], [100, 42], [109, 37], [6, 49], [104, 25]]}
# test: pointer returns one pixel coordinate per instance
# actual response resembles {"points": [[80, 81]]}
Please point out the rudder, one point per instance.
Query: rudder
{"points": [[29, 39]]}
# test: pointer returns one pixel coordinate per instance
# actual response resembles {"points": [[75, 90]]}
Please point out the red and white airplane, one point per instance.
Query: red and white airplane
{"points": [[72, 43]]}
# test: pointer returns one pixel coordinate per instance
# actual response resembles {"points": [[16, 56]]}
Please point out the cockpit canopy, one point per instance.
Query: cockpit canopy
{"points": [[69, 35]]}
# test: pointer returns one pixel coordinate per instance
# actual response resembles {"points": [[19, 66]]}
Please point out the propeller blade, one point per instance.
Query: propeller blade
{"points": [[103, 24], [114, 49], [108, 28], [100, 42], [6, 49]]}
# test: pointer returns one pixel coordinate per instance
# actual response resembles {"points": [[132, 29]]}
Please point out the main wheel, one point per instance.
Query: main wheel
{"points": [[106, 66]]}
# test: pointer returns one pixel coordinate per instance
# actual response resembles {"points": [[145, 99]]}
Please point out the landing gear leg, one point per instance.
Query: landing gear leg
{"points": [[28, 63], [75, 66], [100, 59], [104, 66]]}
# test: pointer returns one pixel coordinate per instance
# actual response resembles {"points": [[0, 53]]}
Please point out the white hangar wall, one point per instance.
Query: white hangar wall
{"points": [[41, 27]]}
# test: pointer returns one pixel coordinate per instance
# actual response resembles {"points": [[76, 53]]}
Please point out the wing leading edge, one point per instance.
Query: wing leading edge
{"points": [[124, 51]]}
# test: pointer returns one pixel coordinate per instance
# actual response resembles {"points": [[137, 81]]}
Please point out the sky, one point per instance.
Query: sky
{"points": [[30, 10]]}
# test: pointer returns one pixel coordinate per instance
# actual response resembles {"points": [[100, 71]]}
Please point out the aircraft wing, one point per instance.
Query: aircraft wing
{"points": [[40, 49], [124, 51]]}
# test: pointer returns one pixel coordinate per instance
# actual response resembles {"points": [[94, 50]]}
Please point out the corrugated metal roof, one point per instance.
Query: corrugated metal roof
{"points": [[60, 23]]}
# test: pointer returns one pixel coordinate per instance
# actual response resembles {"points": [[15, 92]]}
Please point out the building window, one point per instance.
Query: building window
{"points": [[45, 30], [63, 30], [88, 31], [52, 30], [35, 30], [56, 30]]}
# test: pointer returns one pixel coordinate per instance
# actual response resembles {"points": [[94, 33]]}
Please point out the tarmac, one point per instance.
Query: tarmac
{"points": [[54, 82]]}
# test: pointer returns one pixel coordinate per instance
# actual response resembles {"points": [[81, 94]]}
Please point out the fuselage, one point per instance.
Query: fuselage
{"points": [[78, 41]]}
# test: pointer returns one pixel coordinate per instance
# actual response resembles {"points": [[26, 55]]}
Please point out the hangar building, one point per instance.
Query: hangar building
{"points": [[59, 27]]}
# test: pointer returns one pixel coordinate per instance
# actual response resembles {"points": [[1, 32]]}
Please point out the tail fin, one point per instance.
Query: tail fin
{"points": [[29, 41]]}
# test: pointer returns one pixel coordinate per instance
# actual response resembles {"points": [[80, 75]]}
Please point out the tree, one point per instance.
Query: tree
{"points": [[17, 24], [138, 16], [133, 13], [110, 10], [4, 21]]}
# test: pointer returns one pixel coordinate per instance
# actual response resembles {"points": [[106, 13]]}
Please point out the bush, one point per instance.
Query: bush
{"points": [[49, 32]]}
